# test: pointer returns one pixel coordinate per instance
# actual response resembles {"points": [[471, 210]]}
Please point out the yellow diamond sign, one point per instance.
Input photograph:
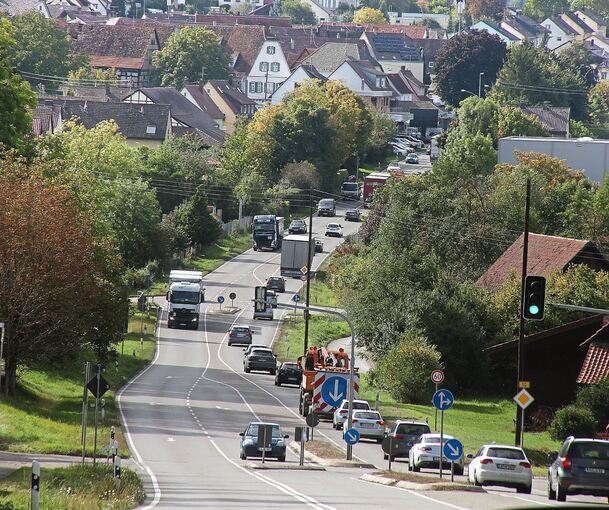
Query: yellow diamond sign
{"points": [[523, 398]]}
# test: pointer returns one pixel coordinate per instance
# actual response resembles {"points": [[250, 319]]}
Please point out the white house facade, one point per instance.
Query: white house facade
{"points": [[269, 71], [365, 81], [300, 74]]}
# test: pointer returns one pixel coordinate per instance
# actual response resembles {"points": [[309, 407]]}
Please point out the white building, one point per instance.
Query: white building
{"points": [[417, 18], [301, 73], [269, 71], [367, 81]]}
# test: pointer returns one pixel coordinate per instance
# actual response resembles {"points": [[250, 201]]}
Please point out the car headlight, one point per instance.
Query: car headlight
{"points": [[173, 314], [248, 442], [194, 319]]}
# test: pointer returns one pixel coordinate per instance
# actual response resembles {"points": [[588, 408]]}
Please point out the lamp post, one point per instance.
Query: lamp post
{"points": [[480, 84], [468, 92]]}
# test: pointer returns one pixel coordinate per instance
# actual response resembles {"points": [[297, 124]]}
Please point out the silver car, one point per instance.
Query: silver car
{"points": [[369, 424]]}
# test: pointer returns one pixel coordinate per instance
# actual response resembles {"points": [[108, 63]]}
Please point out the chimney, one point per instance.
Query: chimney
{"points": [[291, 43], [142, 109]]}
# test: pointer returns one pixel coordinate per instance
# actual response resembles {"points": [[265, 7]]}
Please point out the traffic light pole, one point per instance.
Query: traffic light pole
{"points": [[525, 255], [309, 262]]}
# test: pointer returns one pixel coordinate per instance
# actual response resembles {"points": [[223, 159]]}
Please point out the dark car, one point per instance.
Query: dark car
{"points": [[262, 360], [288, 373], [276, 283], [240, 335], [404, 434], [250, 447], [319, 246], [580, 467], [298, 227], [352, 215], [326, 207]]}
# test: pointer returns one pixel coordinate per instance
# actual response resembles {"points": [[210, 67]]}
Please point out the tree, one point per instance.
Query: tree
{"points": [[16, 97], [599, 7], [301, 13], [578, 58], [542, 9], [485, 8], [189, 53], [461, 60], [438, 7], [368, 15], [598, 104], [466, 156], [301, 175], [513, 122], [243, 9], [194, 218]]}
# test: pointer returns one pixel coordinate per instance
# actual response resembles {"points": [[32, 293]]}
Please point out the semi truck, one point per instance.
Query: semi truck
{"points": [[185, 298], [267, 232], [294, 257], [373, 181]]}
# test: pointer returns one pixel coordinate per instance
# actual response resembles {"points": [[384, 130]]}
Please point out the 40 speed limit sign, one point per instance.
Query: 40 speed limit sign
{"points": [[437, 376]]}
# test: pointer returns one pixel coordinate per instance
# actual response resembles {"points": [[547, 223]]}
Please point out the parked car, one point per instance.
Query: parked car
{"points": [[249, 442], [271, 298], [276, 283], [352, 215], [334, 230], [393, 167], [288, 373], [326, 207], [340, 414], [404, 434], [412, 159], [425, 453], [260, 360], [369, 424], [319, 246], [507, 466], [251, 347], [401, 150], [580, 467], [239, 335], [298, 227]]}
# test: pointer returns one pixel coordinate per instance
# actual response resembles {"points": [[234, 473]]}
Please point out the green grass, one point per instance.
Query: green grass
{"points": [[321, 293], [76, 487], [45, 414]]}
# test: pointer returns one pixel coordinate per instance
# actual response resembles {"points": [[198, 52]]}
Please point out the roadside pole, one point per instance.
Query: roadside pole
{"points": [[435, 419], [1, 350], [96, 414], [35, 487], [309, 261], [85, 409], [441, 441]]}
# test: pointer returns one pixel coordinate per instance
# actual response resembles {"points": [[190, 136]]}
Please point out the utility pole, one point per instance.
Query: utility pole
{"points": [[525, 255], [309, 262], [85, 409], [480, 84], [96, 414]]}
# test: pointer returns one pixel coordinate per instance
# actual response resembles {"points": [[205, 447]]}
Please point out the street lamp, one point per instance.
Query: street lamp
{"points": [[480, 84], [468, 92]]}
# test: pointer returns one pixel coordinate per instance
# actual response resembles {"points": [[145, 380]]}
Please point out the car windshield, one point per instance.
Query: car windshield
{"points": [[333, 225], [435, 438], [275, 280], [297, 223], [326, 202], [591, 450], [289, 365], [412, 429], [366, 415], [505, 453], [252, 430], [262, 352], [241, 330], [184, 298], [350, 186]]}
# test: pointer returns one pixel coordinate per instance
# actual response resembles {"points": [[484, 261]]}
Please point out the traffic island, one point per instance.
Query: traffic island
{"points": [[328, 455], [226, 310], [415, 482], [290, 466]]}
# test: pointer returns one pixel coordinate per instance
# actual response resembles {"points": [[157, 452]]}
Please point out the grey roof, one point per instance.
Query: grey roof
{"points": [[555, 119], [331, 55], [581, 23], [501, 30], [525, 25], [313, 73], [204, 101], [563, 25], [184, 111], [404, 82], [133, 120], [369, 73], [592, 15], [235, 99], [14, 7]]}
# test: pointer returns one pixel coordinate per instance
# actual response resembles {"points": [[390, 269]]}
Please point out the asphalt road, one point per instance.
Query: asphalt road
{"points": [[183, 414]]}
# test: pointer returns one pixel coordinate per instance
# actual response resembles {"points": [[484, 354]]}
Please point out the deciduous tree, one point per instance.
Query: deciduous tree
{"points": [[485, 8], [300, 12], [542, 9], [368, 15]]}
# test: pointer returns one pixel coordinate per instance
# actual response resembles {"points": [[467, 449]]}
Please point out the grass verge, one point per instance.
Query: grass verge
{"points": [[45, 414], [79, 487], [324, 450], [321, 293], [409, 477]]}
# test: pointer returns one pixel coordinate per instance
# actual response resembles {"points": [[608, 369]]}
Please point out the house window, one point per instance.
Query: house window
{"points": [[559, 38], [252, 86], [264, 66], [150, 130], [275, 67], [430, 65], [270, 50], [259, 87]]}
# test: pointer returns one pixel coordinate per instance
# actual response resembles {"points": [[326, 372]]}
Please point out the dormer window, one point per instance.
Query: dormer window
{"points": [[270, 50], [275, 67], [150, 130]]}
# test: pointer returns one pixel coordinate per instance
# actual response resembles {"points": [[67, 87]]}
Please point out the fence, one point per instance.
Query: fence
{"points": [[237, 225]]}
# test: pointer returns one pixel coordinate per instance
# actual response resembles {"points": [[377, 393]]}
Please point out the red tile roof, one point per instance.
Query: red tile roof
{"points": [[546, 255], [596, 364]]}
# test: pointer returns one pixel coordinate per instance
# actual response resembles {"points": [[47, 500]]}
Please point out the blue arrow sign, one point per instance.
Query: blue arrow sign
{"points": [[443, 400], [453, 449], [334, 390], [296, 298], [351, 436], [220, 299]]}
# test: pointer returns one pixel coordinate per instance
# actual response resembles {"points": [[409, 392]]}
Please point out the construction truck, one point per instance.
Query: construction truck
{"points": [[325, 381]]}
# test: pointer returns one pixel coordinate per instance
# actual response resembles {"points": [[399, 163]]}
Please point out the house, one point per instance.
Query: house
{"points": [[554, 118], [524, 28], [141, 124], [367, 81], [596, 364], [559, 32], [410, 107], [395, 52], [300, 74], [599, 47], [46, 117], [547, 254], [328, 58], [495, 29], [418, 18], [232, 5], [197, 95], [230, 101], [322, 9], [15, 7], [269, 71], [127, 49], [185, 116]]}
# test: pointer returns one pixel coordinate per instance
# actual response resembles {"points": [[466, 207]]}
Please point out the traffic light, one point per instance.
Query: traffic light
{"points": [[260, 299], [534, 297]]}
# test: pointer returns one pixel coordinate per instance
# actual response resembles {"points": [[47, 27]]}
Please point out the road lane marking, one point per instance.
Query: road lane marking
{"points": [[522, 499]]}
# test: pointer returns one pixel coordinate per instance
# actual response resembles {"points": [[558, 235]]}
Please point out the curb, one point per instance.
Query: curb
{"points": [[284, 466], [225, 311], [295, 447], [402, 484]]}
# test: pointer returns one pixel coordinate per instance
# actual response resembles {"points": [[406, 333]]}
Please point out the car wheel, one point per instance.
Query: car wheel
{"points": [[476, 482], [229, 344], [561, 494], [525, 489], [277, 383], [242, 456], [247, 370], [281, 459], [415, 468], [551, 492]]}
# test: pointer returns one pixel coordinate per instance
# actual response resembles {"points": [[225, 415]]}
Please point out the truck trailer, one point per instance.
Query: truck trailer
{"points": [[373, 181], [294, 254], [185, 298], [267, 232]]}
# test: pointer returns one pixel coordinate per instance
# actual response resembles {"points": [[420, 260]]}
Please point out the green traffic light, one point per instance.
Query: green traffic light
{"points": [[533, 309]]}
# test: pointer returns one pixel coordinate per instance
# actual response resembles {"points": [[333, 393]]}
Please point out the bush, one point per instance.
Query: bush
{"points": [[404, 371], [572, 420], [595, 398]]}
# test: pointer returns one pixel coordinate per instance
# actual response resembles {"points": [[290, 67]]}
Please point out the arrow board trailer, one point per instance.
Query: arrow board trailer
{"points": [[185, 299], [294, 250]]}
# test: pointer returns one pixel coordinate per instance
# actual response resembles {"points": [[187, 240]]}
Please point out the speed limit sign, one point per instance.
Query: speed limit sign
{"points": [[437, 376]]}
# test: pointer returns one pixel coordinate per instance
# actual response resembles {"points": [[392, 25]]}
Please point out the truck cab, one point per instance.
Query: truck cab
{"points": [[267, 232], [185, 299]]}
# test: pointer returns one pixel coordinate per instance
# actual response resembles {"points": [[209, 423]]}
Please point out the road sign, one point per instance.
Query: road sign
{"points": [[260, 297], [220, 299], [296, 298], [304, 269], [232, 296], [437, 376], [265, 436], [351, 436], [443, 400], [103, 386], [334, 390], [312, 419], [523, 398], [303, 278], [453, 449], [524, 384], [299, 432]]}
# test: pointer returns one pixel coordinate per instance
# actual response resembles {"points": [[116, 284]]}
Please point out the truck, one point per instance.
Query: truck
{"points": [[185, 298], [349, 190], [373, 181], [267, 232], [294, 257]]}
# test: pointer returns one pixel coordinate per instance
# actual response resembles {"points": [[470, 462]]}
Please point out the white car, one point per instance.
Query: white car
{"points": [[401, 150], [507, 466], [340, 414], [425, 453], [369, 424], [334, 230]]}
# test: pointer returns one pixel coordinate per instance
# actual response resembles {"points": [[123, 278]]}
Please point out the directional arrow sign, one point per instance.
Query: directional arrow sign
{"points": [[220, 299], [334, 390], [443, 400], [351, 436], [453, 449], [296, 298]]}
